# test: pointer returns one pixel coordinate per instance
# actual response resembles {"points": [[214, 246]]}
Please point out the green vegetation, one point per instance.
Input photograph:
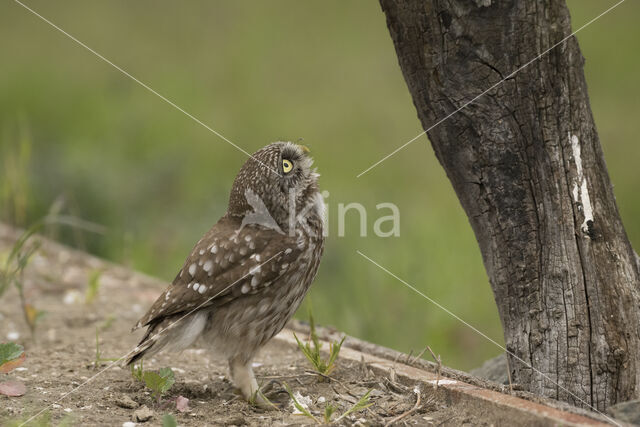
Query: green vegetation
{"points": [[93, 286], [169, 420], [313, 354], [99, 360], [12, 273], [137, 372], [159, 382], [329, 409], [75, 129], [11, 356]]}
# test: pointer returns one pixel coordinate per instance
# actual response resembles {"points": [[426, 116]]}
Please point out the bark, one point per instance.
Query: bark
{"points": [[526, 163]]}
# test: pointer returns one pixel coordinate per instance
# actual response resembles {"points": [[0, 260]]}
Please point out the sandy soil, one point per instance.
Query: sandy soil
{"points": [[64, 380]]}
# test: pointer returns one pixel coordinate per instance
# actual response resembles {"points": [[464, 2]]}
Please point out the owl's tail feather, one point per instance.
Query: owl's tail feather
{"points": [[174, 333], [144, 346]]}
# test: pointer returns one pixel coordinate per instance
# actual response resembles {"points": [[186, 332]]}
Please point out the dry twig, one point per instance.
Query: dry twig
{"points": [[418, 356], [409, 412], [439, 362]]}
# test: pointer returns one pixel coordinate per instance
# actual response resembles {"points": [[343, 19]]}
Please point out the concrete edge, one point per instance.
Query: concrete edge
{"points": [[459, 392]]}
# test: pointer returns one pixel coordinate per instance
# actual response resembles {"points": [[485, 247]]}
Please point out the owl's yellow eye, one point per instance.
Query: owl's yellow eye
{"points": [[286, 166]]}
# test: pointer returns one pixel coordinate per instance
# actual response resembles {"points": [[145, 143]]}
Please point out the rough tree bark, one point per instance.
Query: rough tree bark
{"points": [[526, 163]]}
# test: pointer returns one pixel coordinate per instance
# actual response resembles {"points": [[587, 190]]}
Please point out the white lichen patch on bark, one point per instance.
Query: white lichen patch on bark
{"points": [[580, 190]]}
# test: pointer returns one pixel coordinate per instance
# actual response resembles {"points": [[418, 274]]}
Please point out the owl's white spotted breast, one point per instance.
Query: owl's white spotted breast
{"points": [[245, 324]]}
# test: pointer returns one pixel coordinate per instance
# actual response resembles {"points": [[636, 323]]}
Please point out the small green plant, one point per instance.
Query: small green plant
{"points": [[137, 372], [159, 382], [99, 359], [362, 404], [301, 408], [313, 354], [13, 273], [108, 322], [11, 356], [93, 286], [328, 412], [168, 420]]}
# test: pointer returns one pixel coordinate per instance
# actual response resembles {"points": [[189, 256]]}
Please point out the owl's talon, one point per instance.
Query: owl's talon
{"points": [[261, 401]]}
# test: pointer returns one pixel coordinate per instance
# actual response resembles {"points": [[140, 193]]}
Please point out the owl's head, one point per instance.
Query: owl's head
{"points": [[278, 174]]}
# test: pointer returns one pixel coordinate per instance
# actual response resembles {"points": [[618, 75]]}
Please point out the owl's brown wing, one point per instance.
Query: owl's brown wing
{"points": [[228, 262]]}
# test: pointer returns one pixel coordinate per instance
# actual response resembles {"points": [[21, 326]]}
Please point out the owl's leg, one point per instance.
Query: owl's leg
{"points": [[243, 377]]}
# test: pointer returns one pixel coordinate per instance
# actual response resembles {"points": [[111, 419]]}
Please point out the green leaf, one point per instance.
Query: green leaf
{"points": [[335, 351], [160, 382], [169, 379], [304, 411], [328, 412], [154, 382], [169, 421], [360, 405], [10, 351]]}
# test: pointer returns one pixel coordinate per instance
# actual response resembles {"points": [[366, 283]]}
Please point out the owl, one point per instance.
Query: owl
{"points": [[248, 274]]}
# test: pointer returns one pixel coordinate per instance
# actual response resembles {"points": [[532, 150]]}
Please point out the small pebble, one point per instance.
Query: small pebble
{"points": [[143, 414], [124, 401]]}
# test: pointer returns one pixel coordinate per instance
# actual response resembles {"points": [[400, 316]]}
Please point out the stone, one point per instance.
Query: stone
{"points": [[124, 401], [142, 414]]}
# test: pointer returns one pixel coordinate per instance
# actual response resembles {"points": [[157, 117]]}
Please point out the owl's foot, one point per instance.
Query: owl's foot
{"points": [[261, 401], [243, 377]]}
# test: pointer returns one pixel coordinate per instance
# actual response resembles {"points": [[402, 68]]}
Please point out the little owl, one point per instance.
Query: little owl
{"points": [[248, 274]]}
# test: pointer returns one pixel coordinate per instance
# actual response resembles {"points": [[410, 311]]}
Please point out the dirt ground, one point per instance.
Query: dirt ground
{"points": [[64, 381]]}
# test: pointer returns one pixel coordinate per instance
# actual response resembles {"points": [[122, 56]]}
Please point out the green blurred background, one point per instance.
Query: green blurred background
{"points": [[75, 129]]}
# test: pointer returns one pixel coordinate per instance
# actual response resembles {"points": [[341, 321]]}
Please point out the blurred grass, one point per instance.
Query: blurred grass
{"points": [[75, 128]]}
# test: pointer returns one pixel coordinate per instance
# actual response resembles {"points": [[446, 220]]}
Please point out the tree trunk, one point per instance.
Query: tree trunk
{"points": [[526, 163]]}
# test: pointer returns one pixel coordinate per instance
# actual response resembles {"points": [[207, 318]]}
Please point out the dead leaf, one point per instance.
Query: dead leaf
{"points": [[12, 388], [32, 314], [12, 364], [182, 404]]}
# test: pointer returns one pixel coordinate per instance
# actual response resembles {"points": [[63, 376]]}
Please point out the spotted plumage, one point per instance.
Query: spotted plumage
{"points": [[248, 274]]}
